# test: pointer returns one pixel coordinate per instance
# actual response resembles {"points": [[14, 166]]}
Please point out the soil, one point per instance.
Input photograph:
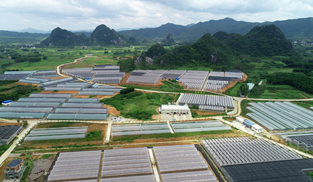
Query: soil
{"points": [[8, 124], [200, 113], [26, 84], [55, 78], [40, 166], [156, 116], [60, 92], [97, 96], [112, 110]]}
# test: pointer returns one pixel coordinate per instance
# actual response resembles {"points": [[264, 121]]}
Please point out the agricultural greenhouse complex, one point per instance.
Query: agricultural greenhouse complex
{"points": [[281, 115]]}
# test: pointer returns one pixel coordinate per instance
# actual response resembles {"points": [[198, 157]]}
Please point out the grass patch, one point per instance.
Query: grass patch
{"points": [[138, 105], [94, 134], [167, 89], [27, 170], [169, 135], [234, 91], [46, 156], [244, 104]]}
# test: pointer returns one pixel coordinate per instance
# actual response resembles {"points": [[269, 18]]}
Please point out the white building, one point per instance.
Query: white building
{"points": [[174, 109]]}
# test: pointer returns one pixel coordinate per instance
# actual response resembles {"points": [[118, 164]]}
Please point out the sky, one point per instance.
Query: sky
{"points": [[118, 14]]}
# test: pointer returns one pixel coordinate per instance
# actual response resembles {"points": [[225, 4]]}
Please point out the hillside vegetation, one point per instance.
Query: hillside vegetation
{"points": [[221, 51]]}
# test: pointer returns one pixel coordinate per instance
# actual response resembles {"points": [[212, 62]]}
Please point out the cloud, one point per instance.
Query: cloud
{"points": [[87, 14]]}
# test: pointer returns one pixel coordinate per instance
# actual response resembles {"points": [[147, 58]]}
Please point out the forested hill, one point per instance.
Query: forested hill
{"points": [[102, 35], [293, 29], [266, 40], [220, 51]]}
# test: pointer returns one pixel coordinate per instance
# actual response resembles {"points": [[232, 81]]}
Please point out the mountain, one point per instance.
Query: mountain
{"points": [[151, 33], [222, 50], [103, 35], [32, 30], [266, 40], [293, 29], [4, 33], [168, 41], [62, 37]]}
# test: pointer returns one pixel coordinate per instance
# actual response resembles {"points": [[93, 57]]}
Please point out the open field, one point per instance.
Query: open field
{"points": [[57, 57], [92, 127], [283, 92], [137, 104], [174, 137]]}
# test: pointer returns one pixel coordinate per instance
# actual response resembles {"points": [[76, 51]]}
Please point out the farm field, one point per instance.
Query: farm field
{"points": [[91, 138], [57, 57]]}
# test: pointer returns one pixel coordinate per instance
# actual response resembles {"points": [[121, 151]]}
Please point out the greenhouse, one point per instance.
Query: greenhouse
{"points": [[56, 116], [83, 100], [22, 115]]}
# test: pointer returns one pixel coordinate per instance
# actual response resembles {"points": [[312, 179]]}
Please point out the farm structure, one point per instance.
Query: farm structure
{"points": [[57, 133], [194, 79], [36, 106], [76, 166], [55, 107], [182, 162], [139, 129], [60, 81], [126, 165], [281, 115], [197, 126], [302, 139], [80, 109], [216, 103], [145, 76], [106, 74], [243, 150], [174, 109], [8, 133], [287, 171], [15, 75], [255, 127], [68, 86], [218, 80], [99, 91]]}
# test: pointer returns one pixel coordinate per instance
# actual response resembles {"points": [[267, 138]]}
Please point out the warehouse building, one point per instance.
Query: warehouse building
{"points": [[174, 109]]}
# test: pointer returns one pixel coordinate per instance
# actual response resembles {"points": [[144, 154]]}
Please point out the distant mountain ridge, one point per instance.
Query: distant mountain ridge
{"points": [[293, 29]]}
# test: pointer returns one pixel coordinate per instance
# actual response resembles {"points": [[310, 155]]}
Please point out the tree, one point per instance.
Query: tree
{"points": [[44, 57], [244, 89]]}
